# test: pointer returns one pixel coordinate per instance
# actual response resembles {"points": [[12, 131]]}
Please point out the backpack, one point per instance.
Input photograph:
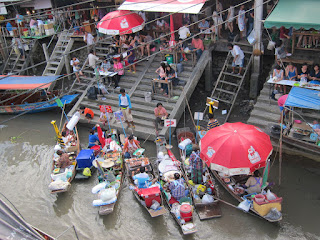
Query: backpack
{"points": [[92, 93]]}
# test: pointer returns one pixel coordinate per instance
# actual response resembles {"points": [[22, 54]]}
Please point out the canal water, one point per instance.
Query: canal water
{"points": [[26, 148]]}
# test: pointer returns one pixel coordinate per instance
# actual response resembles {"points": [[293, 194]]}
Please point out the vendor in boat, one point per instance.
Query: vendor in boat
{"points": [[130, 146], [177, 187], [212, 122], [141, 179], [63, 161], [254, 183], [87, 113], [196, 165], [93, 139]]}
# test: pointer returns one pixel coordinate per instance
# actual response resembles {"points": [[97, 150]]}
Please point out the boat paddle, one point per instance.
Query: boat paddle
{"points": [[234, 206]]}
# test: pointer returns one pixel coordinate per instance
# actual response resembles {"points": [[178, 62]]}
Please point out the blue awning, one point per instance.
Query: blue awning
{"points": [[303, 98]]}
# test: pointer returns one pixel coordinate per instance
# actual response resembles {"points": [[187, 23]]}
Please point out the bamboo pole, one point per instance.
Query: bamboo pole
{"points": [[280, 150]]}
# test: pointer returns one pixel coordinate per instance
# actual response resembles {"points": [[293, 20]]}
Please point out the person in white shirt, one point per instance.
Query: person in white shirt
{"points": [[89, 39], [92, 58], [184, 32], [161, 24], [75, 63], [238, 57]]}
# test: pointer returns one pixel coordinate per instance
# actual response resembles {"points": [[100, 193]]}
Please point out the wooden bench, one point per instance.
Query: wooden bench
{"points": [[154, 86], [297, 61]]}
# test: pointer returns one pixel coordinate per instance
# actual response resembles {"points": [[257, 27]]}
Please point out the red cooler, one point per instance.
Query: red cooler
{"points": [[150, 194], [186, 212]]}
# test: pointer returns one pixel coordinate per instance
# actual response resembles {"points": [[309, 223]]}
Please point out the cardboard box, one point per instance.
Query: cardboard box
{"points": [[49, 31], [48, 26]]}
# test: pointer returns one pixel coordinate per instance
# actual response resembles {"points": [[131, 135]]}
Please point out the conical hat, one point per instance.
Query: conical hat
{"points": [[107, 164]]}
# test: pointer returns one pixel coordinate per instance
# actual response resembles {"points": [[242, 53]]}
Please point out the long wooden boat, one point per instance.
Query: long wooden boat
{"points": [[229, 183], [298, 141], [13, 226], [186, 227], [73, 153], [12, 101], [133, 165], [204, 210]]}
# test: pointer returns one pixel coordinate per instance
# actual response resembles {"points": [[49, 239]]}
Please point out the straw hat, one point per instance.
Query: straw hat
{"points": [[107, 164]]}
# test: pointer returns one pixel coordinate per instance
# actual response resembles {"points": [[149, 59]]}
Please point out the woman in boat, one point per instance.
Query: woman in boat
{"points": [[93, 139], [130, 146], [177, 187], [254, 183], [63, 161]]}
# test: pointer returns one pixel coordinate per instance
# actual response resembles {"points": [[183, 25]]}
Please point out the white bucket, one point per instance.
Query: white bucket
{"points": [[147, 96]]}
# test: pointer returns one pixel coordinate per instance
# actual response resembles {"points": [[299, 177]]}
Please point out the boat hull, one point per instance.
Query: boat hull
{"points": [[36, 107]]}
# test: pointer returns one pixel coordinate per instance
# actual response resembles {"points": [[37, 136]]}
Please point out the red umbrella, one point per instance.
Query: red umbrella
{"points": [[120, 22], [235, 148]]}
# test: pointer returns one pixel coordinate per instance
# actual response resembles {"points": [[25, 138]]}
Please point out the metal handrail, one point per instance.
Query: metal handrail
{"points": [[7, 61]]}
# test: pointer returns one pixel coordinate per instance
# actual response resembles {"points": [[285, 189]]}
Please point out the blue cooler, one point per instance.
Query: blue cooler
{"points": [[85, 158]]}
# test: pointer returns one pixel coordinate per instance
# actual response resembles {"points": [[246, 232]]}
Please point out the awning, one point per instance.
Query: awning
{"points": [[303, 98], [25, 82], [295, 13], [180, 6]]}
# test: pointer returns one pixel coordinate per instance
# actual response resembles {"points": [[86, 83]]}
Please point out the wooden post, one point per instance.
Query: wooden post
{"points": [[258, 14], [208, 75], [45, 51], [67, 64]]}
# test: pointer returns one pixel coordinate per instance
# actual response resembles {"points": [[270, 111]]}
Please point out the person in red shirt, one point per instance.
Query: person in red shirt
{"points": [[87, 113], [160, 113], [197, 45]]}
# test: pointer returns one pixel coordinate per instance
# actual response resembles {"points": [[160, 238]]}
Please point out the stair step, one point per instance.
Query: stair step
{"points": [[54, 63], [225, 91], [225, 101], [51, 68], [229, 83], [232, 74]]}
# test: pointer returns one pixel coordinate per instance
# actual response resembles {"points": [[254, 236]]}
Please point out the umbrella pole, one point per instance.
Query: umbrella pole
{"points": [[280, 150]]}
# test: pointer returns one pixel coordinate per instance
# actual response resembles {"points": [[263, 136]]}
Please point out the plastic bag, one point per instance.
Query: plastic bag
{"points": [[251, 38], [86, 172], [98, 187], [244, 205], [207, 199], [155, 205], [270, 195], [107, 194]]}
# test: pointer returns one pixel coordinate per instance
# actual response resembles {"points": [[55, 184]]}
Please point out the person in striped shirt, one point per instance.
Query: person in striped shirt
{"points": [[212, 122]]}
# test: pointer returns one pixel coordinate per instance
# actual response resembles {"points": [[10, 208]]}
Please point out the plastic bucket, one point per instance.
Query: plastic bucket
{"points": [[186, 212], [147, 96], [259, 198]]}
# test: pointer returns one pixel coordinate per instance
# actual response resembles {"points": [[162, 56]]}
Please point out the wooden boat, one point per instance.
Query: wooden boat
{"points": [[13, 226], [230, 182], [73, 153], [204, 210], [303, 106], [186, 227], [37, 100], [132, 166]]}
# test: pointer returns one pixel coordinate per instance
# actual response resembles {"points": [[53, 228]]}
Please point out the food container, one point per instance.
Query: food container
{"points": [[259, 198], [186, 212]]}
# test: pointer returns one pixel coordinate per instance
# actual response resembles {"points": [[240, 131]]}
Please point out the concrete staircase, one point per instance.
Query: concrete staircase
{"points": [[136, 85], [15, 64], [57, 59]]}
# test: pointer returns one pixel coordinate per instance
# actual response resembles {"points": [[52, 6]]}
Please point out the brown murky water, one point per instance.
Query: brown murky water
{"points": [[25, 170]]}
